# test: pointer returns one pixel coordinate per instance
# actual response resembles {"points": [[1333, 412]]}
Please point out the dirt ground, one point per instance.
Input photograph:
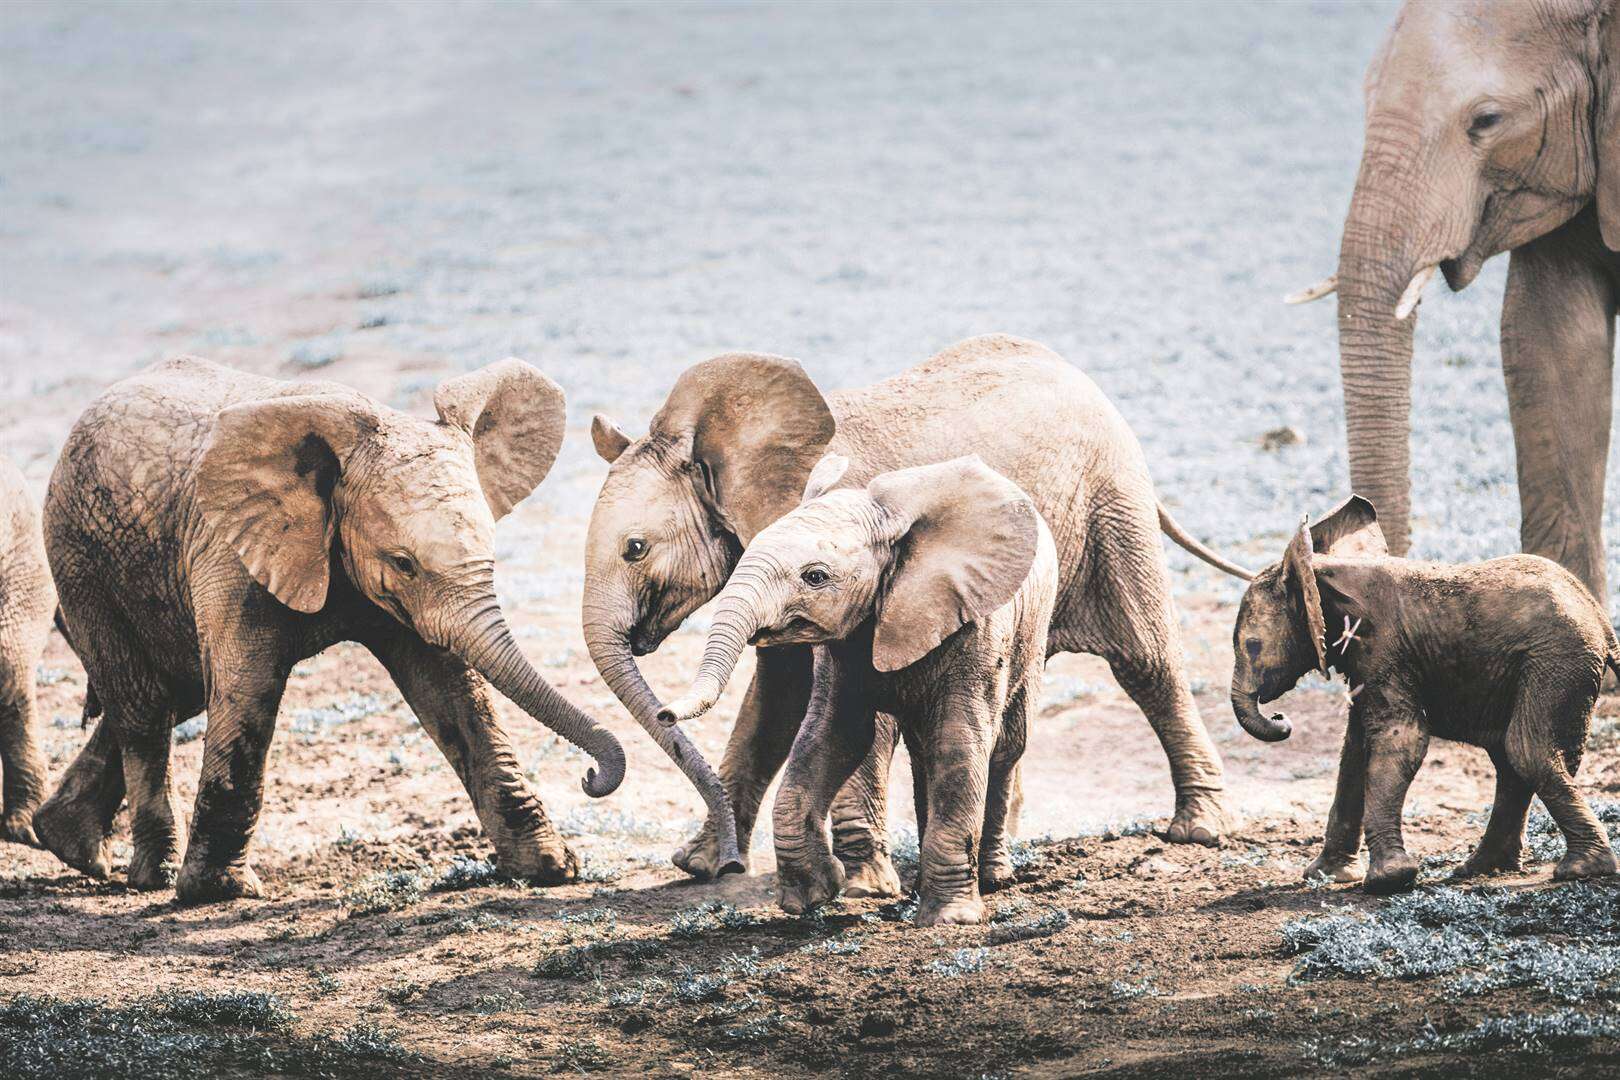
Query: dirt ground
{"points": [[614, 192]]}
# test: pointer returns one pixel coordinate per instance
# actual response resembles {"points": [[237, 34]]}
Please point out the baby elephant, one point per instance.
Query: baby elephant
{"points": [[1506, 654], [930, 590], [27, 600]]}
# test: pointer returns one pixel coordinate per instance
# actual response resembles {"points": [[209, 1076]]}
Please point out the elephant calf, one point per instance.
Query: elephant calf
{"points": [[1506, 654], [26, 602], [931, 590]]}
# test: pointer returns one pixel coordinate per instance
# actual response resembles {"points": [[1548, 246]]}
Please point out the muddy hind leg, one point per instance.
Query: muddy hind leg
{"points": [[1500, 848], [1545, 748], [22, 767], [1004, 797], [75, 823], [860, 819]]}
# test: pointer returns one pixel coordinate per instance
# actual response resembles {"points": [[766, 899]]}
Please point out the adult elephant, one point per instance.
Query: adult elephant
{"points": [[730, 452], [208, 529], [1492, 127]]}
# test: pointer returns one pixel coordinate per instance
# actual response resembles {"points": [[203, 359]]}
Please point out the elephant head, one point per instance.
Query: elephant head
{"points": [[920, 552], [727, 454], [323, 480], [1487, 125], [1280, 631]]}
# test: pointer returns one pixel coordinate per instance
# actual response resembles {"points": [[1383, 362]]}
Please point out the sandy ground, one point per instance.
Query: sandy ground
{"points": [[386, 196]]}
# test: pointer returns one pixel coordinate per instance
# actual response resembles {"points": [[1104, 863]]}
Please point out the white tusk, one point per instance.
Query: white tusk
{"points": [[1413, 293], [1315, 292]]}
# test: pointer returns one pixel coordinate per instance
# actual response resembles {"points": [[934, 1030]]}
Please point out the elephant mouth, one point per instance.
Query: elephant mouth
{"points": [[796, 631], [644, 640]]}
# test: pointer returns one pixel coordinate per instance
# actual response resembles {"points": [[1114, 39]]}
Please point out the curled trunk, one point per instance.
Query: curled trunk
{"points": [[1265, 728], [735, 622]]}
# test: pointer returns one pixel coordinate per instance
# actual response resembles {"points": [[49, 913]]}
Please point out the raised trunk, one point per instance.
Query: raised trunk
{"points": [[485, 642], [607, 637], [1265, 728], [1375, 351]]}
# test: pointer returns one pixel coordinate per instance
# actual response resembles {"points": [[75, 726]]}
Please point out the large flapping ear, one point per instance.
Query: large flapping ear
{"points": [[1349, 529], [608, 438], [1301, 575], [965, 539], [1606, 124], [828, 471], [516, 418], [265, 486], [757, 425]]}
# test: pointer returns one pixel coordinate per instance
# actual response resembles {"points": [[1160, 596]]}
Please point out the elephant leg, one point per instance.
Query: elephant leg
{"points": [[1341, 844], [1500, 849], [1396, 745], [1546, 707], [919, 778], [836, 736], [455, 706], [860, 819], [959, 742], [760, 741], [1558, 355], [155, 815], [22, 767], [1004, 796], [242, 707], [75, 823]]}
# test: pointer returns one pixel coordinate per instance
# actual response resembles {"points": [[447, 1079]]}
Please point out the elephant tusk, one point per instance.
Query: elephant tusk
{"points": [[1413, 293], [1325, 287]]}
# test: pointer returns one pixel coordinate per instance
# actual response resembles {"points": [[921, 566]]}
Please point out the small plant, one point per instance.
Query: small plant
{"points": [[693, 986], [959, 963], [1121, 990], [834, 947], [367, 1039], [580, 1056], [1045, 924], [711, 915], [466, 873], [392, 890], [238, 1008], [324, 982]]}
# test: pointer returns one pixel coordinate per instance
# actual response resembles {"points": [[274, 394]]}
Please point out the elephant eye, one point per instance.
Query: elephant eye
{"points": [[635, 549], [404, 564], [1483, 122], [815, 577]]}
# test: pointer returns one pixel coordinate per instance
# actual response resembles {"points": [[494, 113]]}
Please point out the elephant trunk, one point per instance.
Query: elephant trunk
{"points": [[735, 621], [607, 637], [1246, 704], [481, 637]]}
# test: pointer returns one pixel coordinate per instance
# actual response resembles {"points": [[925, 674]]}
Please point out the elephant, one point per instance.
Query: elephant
{"points": [[210, 528], [730, 452], [27, 602], [1506, 654], [931, 590], [1491, 127]]}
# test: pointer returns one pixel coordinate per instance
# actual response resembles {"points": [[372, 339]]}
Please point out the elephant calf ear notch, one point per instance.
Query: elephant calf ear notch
{"points": [[516, 417], [1298, 564], [265, 482], [967, 540]]}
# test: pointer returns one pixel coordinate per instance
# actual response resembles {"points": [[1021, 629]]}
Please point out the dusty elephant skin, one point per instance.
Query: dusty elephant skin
{"points": [[1492, 127], [1507, 655], [27, 600], [730, 452], [931, 590], [208, 529]]}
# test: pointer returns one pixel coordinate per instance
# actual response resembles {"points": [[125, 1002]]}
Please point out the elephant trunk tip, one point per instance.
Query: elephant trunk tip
{"points": [[687, 707], [605, 777], [1274, 728]]}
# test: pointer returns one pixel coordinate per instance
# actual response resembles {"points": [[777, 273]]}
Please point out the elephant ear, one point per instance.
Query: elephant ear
{"points": [[265, 482], [828, 471], [608, 438], [516, 418], [1607, 127], [1300, 573], [965, 538], [1350, 529], [757, 425]]}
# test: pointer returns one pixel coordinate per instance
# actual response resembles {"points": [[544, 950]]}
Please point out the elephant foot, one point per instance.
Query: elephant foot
{"points": [[701, 857], [1483, 862], [962, 911], [212, 885], [1339, 869], [1201, 818], [73, 832], [18, 828], [873, 876], [539, 862], [150, 871], [1596, 862], [802, 889], [1394, 873]]}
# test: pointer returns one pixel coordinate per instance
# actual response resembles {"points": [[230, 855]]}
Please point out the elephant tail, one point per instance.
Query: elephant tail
{"points": [[1183, 539], [92, 702]]}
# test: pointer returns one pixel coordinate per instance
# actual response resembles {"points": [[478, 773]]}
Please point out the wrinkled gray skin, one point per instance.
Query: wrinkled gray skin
{"points": [[1506, 654], [27, 600], [208, 529], [1491, 127], [730, 452], [931, 589]]}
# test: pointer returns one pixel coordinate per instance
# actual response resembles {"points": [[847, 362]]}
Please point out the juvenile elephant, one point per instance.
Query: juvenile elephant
{"points": [[932, 590], [730, 452], [1506, 654], [27, 599], [208, 529], [1492, 126]]}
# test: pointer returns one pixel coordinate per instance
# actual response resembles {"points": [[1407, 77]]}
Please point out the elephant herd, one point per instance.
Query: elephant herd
{"points": [[905, 556]]}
